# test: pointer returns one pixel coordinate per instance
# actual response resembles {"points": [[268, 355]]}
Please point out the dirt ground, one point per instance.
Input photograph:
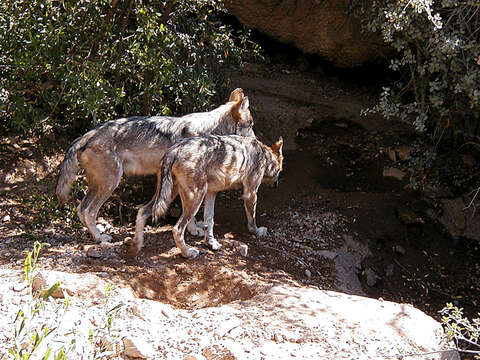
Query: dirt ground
{"points": [[331, 189]]}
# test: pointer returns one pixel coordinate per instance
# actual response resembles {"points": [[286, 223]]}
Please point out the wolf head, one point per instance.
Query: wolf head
{"points": [[276, 165], [241, 113]]}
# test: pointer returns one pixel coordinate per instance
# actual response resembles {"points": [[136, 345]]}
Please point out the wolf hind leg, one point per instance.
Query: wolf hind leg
{"points": [[191, 201], [103, 176], [142, 216]]}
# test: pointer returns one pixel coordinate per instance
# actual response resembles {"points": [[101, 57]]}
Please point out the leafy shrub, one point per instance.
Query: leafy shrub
{"points": [[464, 332], [79, 62], [438, 62]]}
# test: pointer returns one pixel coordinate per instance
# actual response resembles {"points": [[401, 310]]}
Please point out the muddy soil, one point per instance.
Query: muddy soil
{"points": [[332, 192]]}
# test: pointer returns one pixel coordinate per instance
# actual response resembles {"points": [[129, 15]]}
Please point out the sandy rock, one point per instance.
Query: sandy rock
{"points": [[392, 155], [130, 351], [468, 160], [399, 249], [38, 283], [282, 322], [403, 151], [327, 254], [408, 217], [243, 250], [371, 276], [308, 273], [394, 172], [315, 27], [458, 220], [41, 285], [94, 252]]}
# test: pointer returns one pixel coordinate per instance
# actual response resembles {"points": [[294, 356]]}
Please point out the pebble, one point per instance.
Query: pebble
{"points": [[399, 249], [278, 338], [130, 350], [372, 277], [389, 270], [308, 273], [243, 249], [93, 252], [6, 218]]}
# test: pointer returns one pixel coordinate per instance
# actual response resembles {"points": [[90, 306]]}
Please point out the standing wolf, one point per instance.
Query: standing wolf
{"points": [[135, 146], [198, 168]]}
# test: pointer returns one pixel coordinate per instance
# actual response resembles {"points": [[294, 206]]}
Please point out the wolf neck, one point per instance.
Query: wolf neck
{"points": [[223, 123], [218, 121]]}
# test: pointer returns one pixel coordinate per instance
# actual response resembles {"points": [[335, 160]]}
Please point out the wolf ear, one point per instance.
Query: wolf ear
{"points": [[241, 104], [236, 95], [277, 147]]}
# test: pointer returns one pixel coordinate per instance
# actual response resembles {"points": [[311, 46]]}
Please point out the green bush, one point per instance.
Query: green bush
{"points": [[465, 333], [77, 63], [438, 62]]}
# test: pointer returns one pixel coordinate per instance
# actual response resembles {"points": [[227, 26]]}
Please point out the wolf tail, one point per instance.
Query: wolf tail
{"points": [[164, 192], [68, 170]]}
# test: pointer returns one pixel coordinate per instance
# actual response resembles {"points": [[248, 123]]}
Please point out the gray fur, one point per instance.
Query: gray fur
{"points": [[198, 168], [135, 146]]}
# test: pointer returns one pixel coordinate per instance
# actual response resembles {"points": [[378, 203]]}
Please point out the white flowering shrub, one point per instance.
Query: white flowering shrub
{"points": [[437, 45]]}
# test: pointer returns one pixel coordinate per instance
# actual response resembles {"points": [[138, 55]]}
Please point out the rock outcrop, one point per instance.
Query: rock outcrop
{"points": [[314, 27], [283, 322]]}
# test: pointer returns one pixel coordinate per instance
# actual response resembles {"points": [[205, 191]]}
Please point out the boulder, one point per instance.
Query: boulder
{"points": [[314, 27], [283, 322]]}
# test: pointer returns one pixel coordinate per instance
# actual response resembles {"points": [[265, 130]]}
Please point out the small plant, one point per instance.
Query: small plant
{"points": [[32, 329], [40, 332], [462, 331]]}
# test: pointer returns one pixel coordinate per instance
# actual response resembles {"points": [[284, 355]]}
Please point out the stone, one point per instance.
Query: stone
{"points": [[403, 151], [94, 252], [399, 249], [408, 217], [458, 220], [371, 276], [392, 155], [38, 283], [468, 160], [308, 273], [327, 254], [314, 27], [243, 250], [6, 218], [130, 350], [394, 172], [389, 270]]}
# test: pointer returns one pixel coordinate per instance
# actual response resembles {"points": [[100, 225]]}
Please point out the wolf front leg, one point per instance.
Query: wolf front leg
{"points": [[208, 212], [250, 203]]}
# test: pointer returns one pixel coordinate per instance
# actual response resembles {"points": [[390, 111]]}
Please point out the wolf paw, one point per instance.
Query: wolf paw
{"points": [[214, 244], [191, 253], [196, 228], [261, 231]]}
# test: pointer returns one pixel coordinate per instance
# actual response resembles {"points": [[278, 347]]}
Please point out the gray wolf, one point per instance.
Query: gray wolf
{"points": [[198, 168], [135, 146]]}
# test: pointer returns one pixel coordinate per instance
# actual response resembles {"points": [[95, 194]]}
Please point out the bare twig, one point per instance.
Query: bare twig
{"points": [[472, 201]]}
